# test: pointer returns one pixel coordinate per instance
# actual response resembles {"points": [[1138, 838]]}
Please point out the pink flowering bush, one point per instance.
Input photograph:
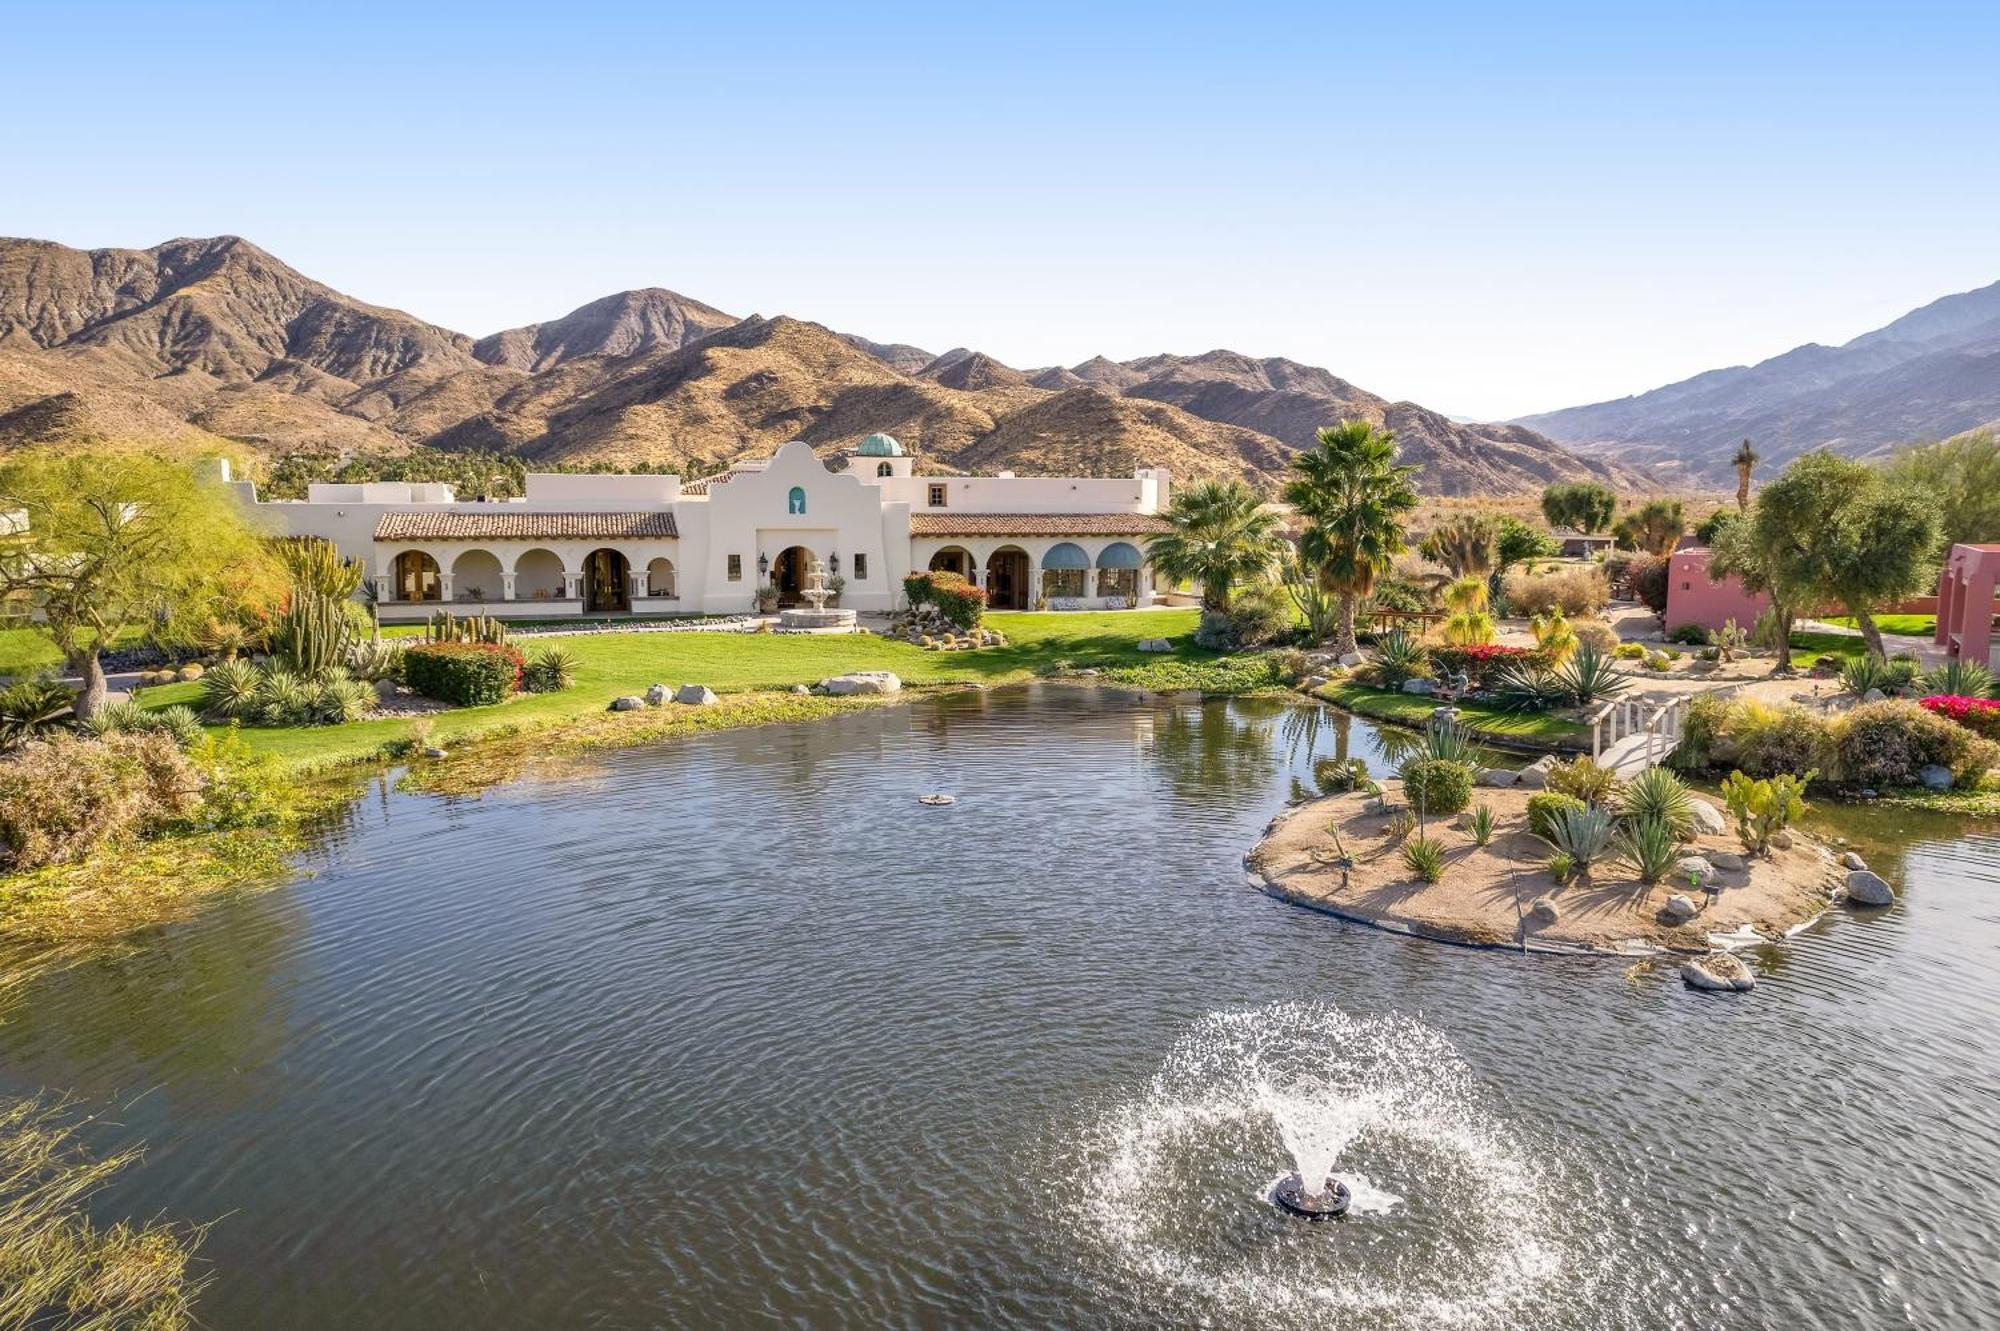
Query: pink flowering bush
{"points": [[1979, 715]]}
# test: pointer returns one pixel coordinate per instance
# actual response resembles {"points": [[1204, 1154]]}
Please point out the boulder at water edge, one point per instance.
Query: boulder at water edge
{"points": [[628, 703], [1935, 776], [1707, 818], [862, 681], [1868, 889], [800, 688], [1535, 776], [1680, 908], [695, 695], [657, 695], [1718, 972], [1849, 860]]}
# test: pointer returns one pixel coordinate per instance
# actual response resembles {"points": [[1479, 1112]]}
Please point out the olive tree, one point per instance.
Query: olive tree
{"points": [[1583, 505], [102, 542]]}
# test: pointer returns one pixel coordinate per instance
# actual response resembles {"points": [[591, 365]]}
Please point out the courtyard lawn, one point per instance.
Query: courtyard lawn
{"points": [[1537, 729], [1914, 626], [26, 651], [611, 664]]}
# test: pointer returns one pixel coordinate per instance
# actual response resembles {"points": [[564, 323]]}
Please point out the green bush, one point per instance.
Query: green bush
{"points": [[239, 788], [1630, 651], [956, 599], [1581, 778], [1694, 635], [1438, 786], [1772, 741], [1544, 808], [470, 674], [1887, 743], [1585, 835]]}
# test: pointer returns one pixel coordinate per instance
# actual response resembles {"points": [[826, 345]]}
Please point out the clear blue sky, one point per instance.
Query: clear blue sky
{"points": [[1488, 208]]}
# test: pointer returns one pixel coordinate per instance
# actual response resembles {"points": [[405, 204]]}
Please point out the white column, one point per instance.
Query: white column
{"points": [[506, 586], [444, 586], [383, 589], [638, 583], [573, 586]]}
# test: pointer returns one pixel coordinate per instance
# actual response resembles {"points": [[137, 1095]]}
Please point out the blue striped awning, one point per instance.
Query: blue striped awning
{"points": [[1119, 554], [1066, 555]]}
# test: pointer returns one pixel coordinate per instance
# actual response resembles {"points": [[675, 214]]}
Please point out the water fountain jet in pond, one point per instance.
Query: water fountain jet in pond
{"points": [[1329, 1202]]}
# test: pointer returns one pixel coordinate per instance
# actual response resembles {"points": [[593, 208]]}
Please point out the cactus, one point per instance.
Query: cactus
{"points": [[312, 635]]}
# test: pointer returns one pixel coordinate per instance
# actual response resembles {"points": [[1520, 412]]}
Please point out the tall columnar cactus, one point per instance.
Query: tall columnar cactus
{"points": [[313, 634]]}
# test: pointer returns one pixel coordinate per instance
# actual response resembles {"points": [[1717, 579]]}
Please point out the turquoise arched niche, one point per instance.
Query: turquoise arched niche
{"points": [[796, 502]]}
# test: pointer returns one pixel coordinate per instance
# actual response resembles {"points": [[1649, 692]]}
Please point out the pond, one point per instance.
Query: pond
{"points": [[732, 1032]]}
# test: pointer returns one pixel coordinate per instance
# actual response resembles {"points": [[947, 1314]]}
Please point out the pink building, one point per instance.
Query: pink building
{"points": [[1965, 609], [1694, 597]]}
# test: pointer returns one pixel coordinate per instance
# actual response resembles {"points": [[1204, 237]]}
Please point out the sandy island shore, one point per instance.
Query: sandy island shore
{"points": [[1487, 894]]}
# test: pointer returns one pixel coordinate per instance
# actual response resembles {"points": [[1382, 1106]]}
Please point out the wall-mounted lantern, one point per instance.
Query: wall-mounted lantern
{"points": [[833, 563], [763, 568]]}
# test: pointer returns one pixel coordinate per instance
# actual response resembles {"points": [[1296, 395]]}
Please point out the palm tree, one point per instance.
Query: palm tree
{"points": [[1745, 462], [1354, 496], [1655, 526], [1222, 535]]}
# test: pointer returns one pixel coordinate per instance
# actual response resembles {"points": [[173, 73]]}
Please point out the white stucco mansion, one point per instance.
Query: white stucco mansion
{"points": [[607, 544]]}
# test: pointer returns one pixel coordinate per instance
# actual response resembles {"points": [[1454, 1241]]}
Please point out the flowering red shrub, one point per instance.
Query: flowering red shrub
{"points": [[1979, 715], [1475, 660], [960, 601]]}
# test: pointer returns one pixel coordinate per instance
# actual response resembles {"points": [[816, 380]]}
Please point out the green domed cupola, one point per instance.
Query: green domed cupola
{"points": [[880, 446]]}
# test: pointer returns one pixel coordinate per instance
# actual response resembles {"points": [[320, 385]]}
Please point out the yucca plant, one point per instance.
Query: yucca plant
{"points": [[1590, 676], [1583, 834], [1479, 822], [1650, 846], [1960, 679], [1553, 635], [32, 707], [1399, 658], [1658, 794], [1449, 742], [1519, 687], [129, 718], [231, 688], [1898, 672], [553, 669], [1424, 857], [1859, 674]]}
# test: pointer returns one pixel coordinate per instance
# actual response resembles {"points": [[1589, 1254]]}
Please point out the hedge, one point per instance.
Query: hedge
{"points": [[958, 600], [471, 674]]}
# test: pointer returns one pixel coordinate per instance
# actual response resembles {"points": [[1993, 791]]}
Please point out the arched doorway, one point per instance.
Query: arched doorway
{"points": [[788, 574], [954, 559], [660, 577], [607, 582], [416, 577], [476, 576], [1007, 578], [1118, 572], [539, 576]]}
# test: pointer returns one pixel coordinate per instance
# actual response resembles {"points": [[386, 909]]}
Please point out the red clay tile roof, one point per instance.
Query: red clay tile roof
{"points": [[1036, 524], [523, 526], [700, 487]]}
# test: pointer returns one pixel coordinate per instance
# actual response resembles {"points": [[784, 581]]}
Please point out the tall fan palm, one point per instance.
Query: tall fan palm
{"points": [[1354, 495], [1222, 535], [1745, 462]]}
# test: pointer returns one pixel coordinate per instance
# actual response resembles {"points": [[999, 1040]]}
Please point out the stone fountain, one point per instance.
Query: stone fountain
{"points": [[814, 617]]}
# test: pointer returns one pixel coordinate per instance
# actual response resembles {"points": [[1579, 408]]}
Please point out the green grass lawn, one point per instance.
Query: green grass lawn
{"points": [[25, 651], [1915, 626], [610, 664], [1539, 728]]}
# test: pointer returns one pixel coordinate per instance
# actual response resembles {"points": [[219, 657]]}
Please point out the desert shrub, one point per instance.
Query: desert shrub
{"points": [[1258, 614], [1979, 715], [1650, 846], [1561, 866], [1647, 577], [179, 724], [956, 599], [1764, 808], [1479, 822], [1578, 592], [1694, 635], [1467, 628], [1659, 662], [550, 670], [1595, 633], [1335, 777], [33, 707], [1544, 808], [1887, 743], [1401, 823], [1959, 679], [1658, 794], [239, 787], [1438, 786], [1399, 658], [1769, 741], [1585, 835], [1424, 857], [61, 797], [1581, 778], [1630, 651], [1702, 726], [471, 674]]}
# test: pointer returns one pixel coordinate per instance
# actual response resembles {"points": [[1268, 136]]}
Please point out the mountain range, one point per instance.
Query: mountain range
{"points": [[206, 338], [1931, 374]]}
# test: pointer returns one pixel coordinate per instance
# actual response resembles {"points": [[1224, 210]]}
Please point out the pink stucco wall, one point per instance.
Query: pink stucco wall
{"points": [[1693, 597], [1965, 603]]}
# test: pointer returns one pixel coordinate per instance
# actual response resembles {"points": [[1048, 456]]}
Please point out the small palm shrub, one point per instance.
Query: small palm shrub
{"points": [[31, 708], [1437, 785], [1399, 658], [1424, 857], [1545, 808], [1764, 808], [224, 638], [1479, 822], [1585, 835], [1650, 846], [1960, 679], [1335, 777], [1658, 795], [551, 670], [1590, 676], [1581, 778]]}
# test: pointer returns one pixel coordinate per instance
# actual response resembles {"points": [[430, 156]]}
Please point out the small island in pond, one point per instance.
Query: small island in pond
{"points": [[1344, 854]]}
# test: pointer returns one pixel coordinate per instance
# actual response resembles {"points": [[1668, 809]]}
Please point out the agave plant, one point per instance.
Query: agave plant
{"points": [[1399, 658], [1590, 676], [1960, 679], [129, 718], [1658, 795], [231, 688], [1449, 742], [32, 707], [1424, 857], [1650, 846], [553, 669], [1479, 822], [1859, 674], [1520, 687], [1583, 834], [1898, 672]]}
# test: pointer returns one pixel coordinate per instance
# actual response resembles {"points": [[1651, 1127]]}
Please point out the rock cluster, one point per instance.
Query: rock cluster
{"points": [[926, 627], [859, 681]]}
